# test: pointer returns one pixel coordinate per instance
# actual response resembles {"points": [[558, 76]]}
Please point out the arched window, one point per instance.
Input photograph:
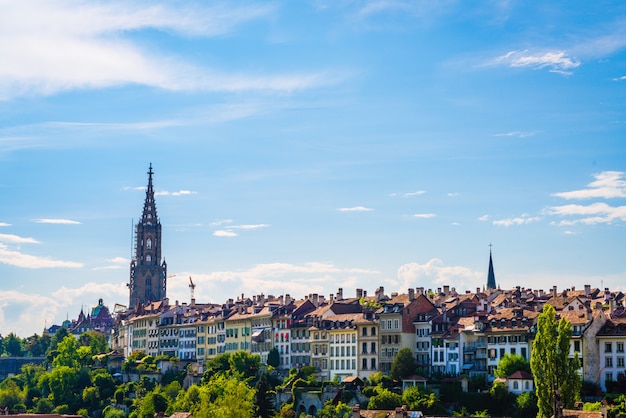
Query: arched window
{"points": [[149, 243], [148, 258], [373, 331]]}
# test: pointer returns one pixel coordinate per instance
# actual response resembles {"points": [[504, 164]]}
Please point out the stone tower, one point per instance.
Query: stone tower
{"points": [[147, 274]]}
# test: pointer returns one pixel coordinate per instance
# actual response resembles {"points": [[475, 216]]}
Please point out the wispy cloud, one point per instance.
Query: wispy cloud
{"points": [[178, 193], [18, 259], [249, 227], [56, 221], [223, 233], [555, 61], [518, 134], [16, 239], [484, 218], [607, 185], [4, 224], [520, 220], [596, 213], [622, 78], [355, 209], [409, 194], [221, 222], [424, 215], [116, 264], [49, 47]]}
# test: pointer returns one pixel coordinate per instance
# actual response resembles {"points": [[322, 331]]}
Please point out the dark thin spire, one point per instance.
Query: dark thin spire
{"points": [[149, 207], [491, 277]]}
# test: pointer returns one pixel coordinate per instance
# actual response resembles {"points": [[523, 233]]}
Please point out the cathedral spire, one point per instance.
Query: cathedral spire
{"points": [[491, 277], [147, 273], [149, 207]]}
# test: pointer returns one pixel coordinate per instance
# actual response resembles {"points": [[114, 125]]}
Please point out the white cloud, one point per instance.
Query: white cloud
{"points": [[249, 227], [50, 47], [271, 278], [607, 185], [18, 259], [409, 194], [622, 78], [518, 134], [178, 193], [435, 272], [596, 213], [484, 218], [223, 233], [520, 220], [555, 61], [222, 222], [453, 194], [16, 239], [424, 215], [4, 224], [355, 209], [56, 221]]}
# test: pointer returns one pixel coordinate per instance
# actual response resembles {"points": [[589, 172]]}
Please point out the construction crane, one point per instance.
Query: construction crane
{"points": [[192, 287]]}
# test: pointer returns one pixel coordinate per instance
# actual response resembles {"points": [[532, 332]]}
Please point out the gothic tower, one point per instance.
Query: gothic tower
{"points": [[147, 274], [491, 277]]}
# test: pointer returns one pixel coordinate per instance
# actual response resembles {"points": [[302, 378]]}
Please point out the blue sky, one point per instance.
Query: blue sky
{"points": [[299, 147]]}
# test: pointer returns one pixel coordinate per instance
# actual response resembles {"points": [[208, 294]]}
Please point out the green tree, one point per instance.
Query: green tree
{"points": [[526, 404], [105, 383], [510, 364], [244, 364], [550, 363], [96, 340], [404, 364], [11, 394], [263, 398], [225, 396], [273, 357], [13, 345], [37, 346], [385, 399], [62, 382], [218, 364], [67, 353], [341, 410], [420, 399]]}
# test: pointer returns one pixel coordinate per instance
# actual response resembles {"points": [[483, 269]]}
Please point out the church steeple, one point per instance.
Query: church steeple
{"points": [[491, 277], [147, 273]]}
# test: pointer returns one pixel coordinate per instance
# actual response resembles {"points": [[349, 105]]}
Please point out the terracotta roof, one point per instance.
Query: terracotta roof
{"points": [[520, 374]]}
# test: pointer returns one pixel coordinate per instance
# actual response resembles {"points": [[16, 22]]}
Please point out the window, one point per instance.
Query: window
{"points": [[608, 362], [396, 324], [515, 385], [577, 346], [620, 362], [373, 364], [389, 324], [149, 243], [608, 376], [527, 385], [364, 332], [524, 352], [608, 347], [373, 331], [620, 348]]}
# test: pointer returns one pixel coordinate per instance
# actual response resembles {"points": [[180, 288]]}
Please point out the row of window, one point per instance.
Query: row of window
{"points": [[608, 347], [608, 362]]}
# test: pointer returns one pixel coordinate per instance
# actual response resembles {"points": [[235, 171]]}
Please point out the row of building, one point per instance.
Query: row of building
{"points": [[448, 332]]}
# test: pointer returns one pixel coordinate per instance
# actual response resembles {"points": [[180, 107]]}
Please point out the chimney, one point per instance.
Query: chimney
{"points": [[573, 288], [281, 300], [316, 300], [446, 290], [365, 293], [331, 298], [477, 290], [554, 292], [411, 294], [359, 293], [587, 290], [340, 294], [438, 290], [288, 299]]}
